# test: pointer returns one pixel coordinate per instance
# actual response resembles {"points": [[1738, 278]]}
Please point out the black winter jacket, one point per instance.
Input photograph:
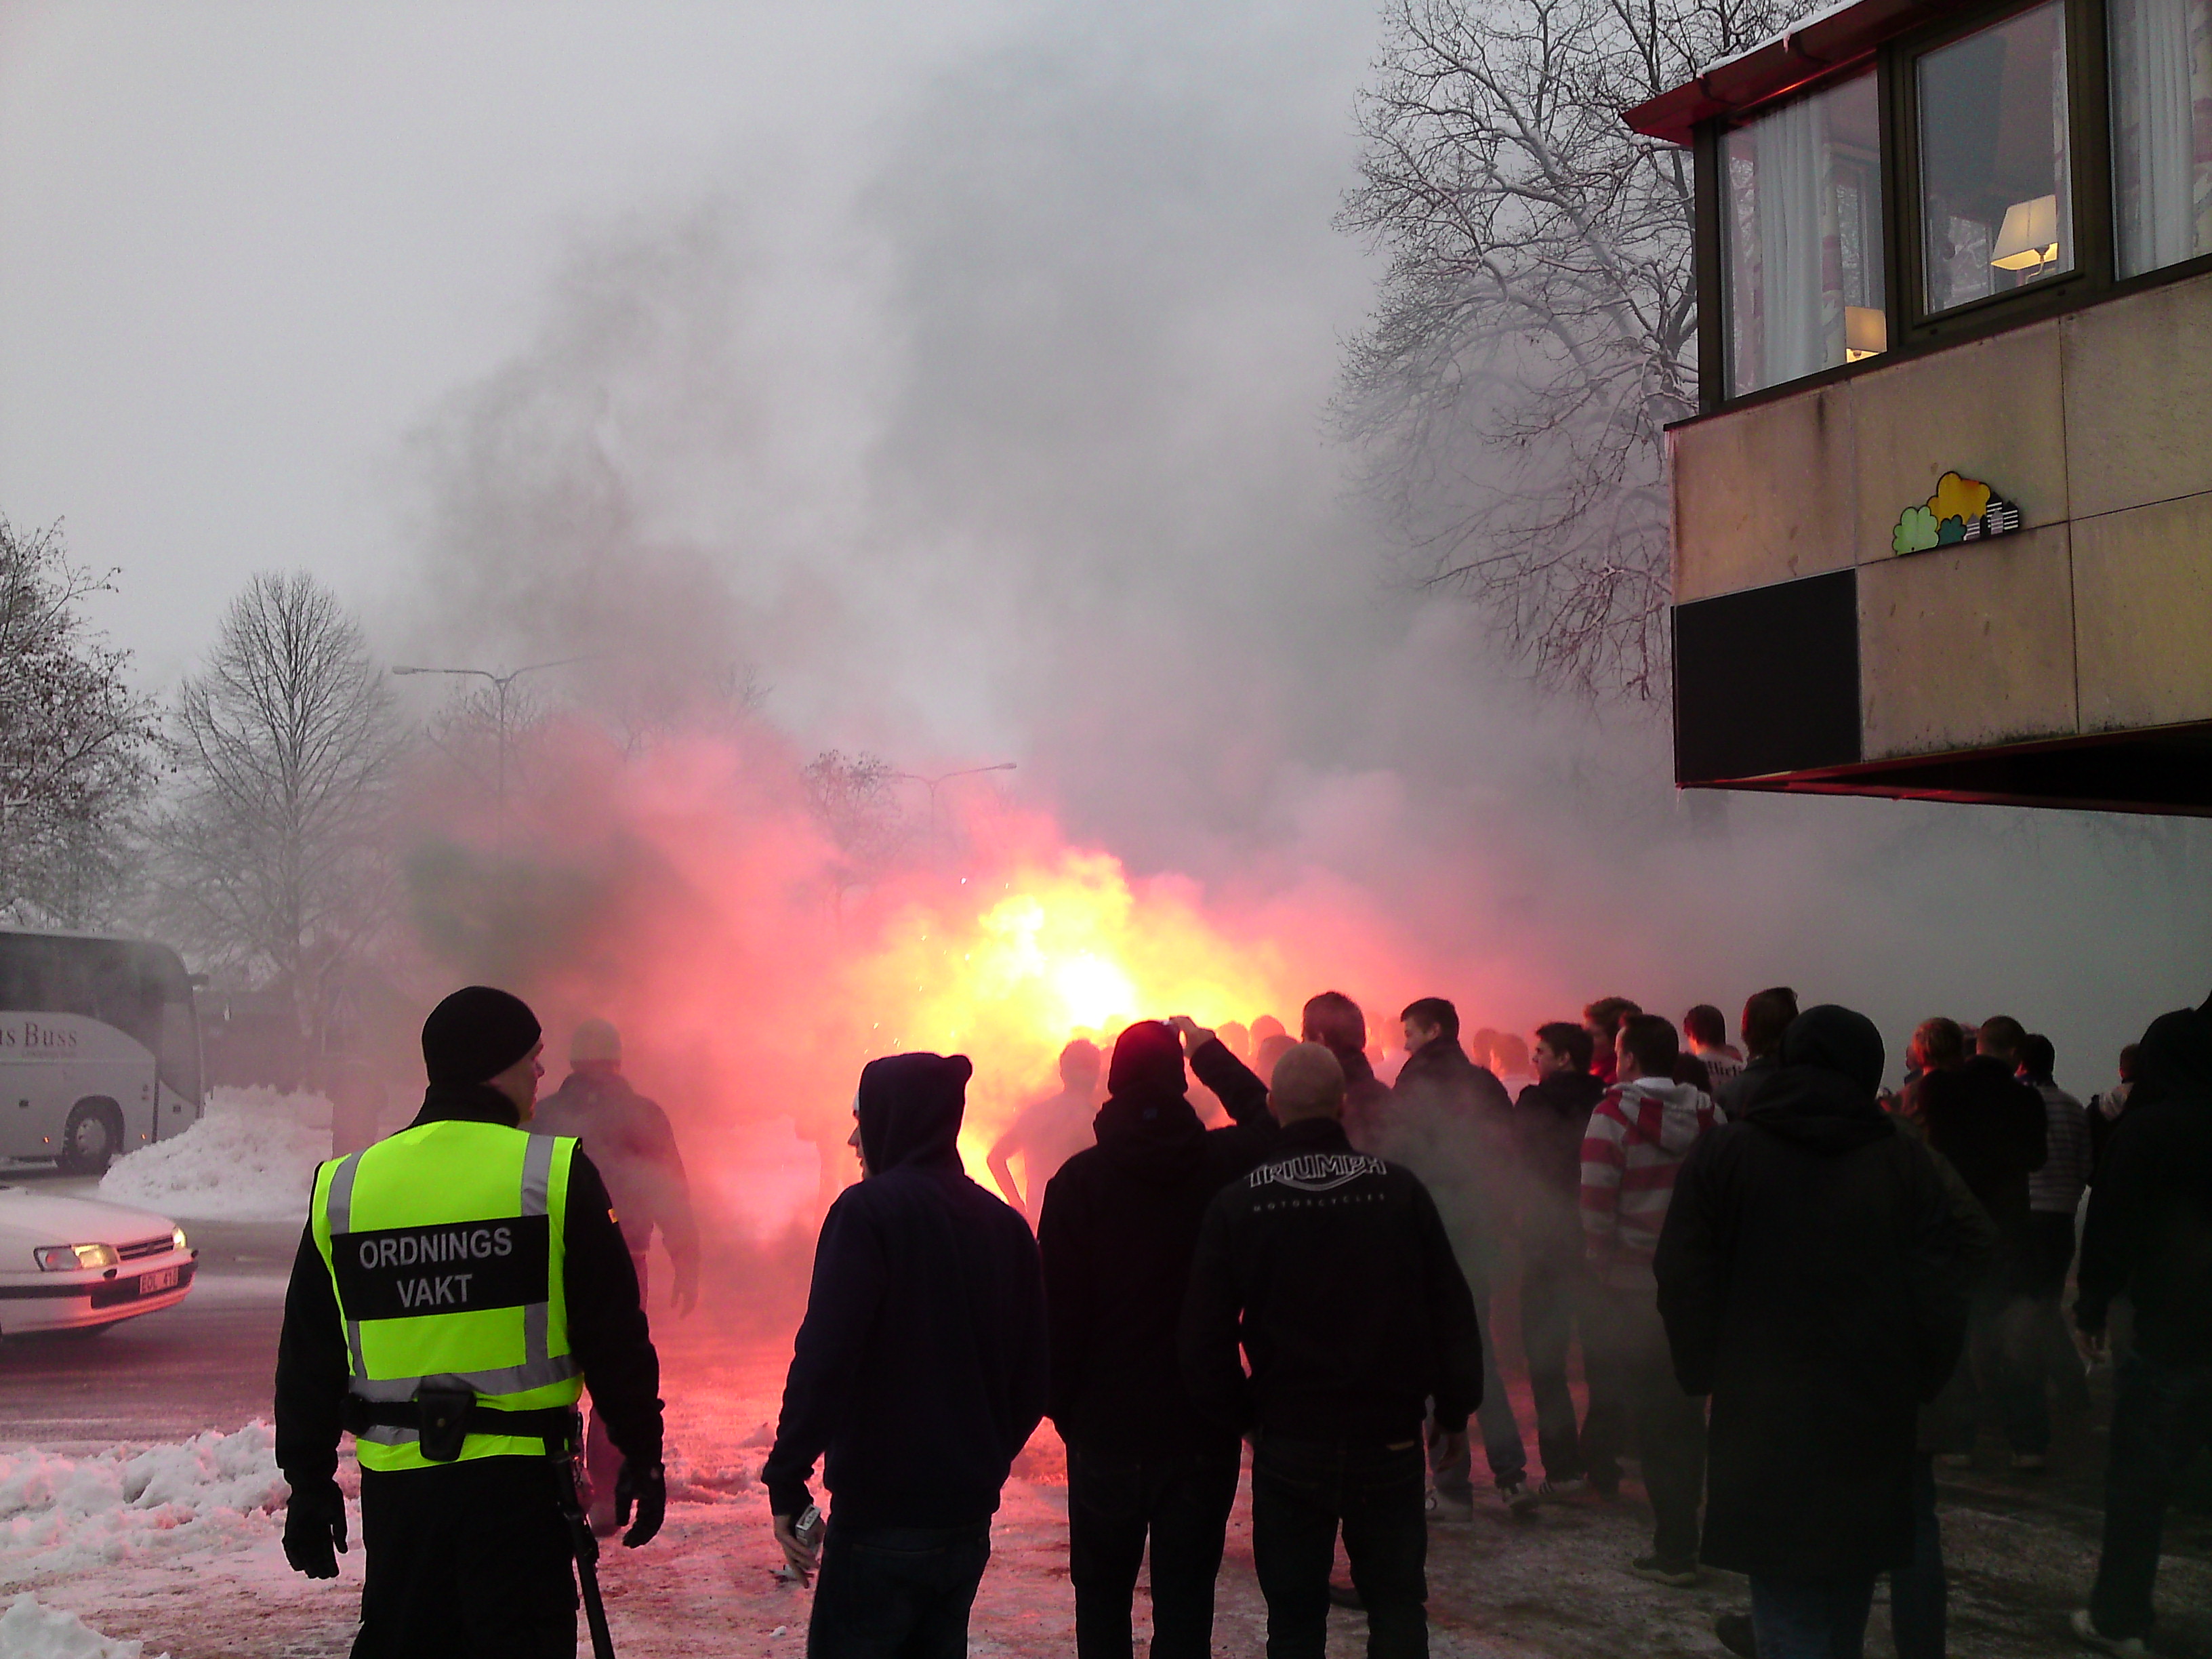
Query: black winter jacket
{"points": [[1366, 1096], [2148, 1234], [1332, 1268], [1118, 1230], [607, 1328], [1814, 1274], [634, 1150], [1450, 1122], [920, 1367], [1994, 1129], [1550, 1118]]}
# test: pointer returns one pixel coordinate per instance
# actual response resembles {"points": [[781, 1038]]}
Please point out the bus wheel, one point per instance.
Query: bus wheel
{"points": [[93, 1137]]}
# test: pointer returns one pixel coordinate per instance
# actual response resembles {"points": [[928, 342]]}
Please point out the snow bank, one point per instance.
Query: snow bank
{"points": [[30, 1630], [251, 1158], [215, 1492]]}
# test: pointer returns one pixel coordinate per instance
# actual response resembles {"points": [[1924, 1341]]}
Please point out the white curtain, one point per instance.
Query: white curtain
{"points": [[1797, 312], [2156, 46]]}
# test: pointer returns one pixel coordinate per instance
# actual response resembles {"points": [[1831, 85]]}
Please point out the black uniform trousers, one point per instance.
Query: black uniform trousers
{"points": [[468, 1560]]}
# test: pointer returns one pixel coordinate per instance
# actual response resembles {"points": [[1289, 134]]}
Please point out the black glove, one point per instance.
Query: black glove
{"points": [[645, 1485], [315, 1528]]}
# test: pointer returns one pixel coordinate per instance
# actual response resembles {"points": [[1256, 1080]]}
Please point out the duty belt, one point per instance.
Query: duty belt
{"points": [[445, 1417]]}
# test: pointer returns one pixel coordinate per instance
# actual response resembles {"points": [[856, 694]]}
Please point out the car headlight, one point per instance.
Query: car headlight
{"points": [[69, 1258], [177, 1238]]}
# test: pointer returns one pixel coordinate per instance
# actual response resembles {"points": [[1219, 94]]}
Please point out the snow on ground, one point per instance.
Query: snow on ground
{"points": [[31, 1629], [130, 1507], [251, 1158]]}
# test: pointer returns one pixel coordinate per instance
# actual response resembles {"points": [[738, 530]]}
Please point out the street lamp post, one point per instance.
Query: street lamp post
{"points": [[930, 784], [504, 683]]}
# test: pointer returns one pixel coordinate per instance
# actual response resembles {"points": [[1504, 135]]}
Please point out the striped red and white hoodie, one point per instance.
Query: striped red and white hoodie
{"points": [[1637, 1137]]}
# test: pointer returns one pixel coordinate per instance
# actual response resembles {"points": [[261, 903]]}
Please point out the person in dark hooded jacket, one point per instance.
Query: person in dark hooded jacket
{"points": [[1550, 1117], [1450, 1122], [1814, 1274], [1119, 1228], [919, 1370], [2148, 1236]]}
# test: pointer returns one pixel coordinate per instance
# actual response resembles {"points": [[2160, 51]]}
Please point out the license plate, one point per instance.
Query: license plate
{"points": [[162, 1278]]}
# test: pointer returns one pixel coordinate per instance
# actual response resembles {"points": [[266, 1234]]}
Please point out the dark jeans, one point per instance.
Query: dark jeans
{"points": [[1999, 1374], [1113, 1501], [2161, 1415], [1632, 1383], [1811, 1618], [896, 1592], [465, 1560], [1301, 1492], [2050, 1355], [1501, 1431], [1919, 1596], [1555, 1294]]}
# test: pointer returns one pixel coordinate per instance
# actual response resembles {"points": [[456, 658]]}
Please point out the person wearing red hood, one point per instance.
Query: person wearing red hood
{"points": [[917, 1376], [1118, 1229], [1637, 1137]]}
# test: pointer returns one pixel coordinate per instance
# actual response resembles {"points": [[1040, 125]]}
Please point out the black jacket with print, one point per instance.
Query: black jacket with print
{"points": [[1332, 1269]]}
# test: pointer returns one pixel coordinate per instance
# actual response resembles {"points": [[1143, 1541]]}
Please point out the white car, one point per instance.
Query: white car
{"points": [[74, 1264]]}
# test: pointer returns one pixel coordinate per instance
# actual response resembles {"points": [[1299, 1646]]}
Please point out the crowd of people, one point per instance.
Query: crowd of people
{"points": [[1795, 1294]]}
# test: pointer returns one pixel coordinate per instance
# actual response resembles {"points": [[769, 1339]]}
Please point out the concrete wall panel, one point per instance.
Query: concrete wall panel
{"points": [[1764, 495], [2142, 599], [1991, 410], [2139, 398], [1968, 645]]}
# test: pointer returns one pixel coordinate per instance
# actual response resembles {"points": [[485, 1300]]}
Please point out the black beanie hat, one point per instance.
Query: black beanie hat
{"points": [[476, 1034], [1147, 1059]]}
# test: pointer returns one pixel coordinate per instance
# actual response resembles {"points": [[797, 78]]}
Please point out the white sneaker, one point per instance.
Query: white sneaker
{"points": [[2086, 1628], [1562, 1492], [1519, 1498], [1442, 1508]]}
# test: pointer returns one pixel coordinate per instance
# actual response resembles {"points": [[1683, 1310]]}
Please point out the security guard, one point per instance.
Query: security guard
{"points": [[455, 1285]]}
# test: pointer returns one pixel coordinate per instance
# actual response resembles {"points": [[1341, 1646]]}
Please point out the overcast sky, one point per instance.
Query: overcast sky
{"points": [[962, 369]]}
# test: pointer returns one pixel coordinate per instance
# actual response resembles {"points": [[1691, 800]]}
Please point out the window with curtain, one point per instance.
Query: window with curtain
{"points": [[1995, 201], [1802, 274], [2161, 70]]}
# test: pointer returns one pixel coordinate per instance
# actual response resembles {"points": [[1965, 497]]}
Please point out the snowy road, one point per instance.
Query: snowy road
{"points": [[2020, 1554]]}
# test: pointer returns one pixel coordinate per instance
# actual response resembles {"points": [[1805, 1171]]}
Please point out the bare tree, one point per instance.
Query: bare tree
{"points": [[271, 860], [853, 798], [75, 741], [1536, 328]]}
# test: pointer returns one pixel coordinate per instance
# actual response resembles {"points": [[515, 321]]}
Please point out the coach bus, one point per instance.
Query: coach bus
{"points": [[100, 1048]]}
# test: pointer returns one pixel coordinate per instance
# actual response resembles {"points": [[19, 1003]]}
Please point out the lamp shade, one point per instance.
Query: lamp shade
{"points": [[1865, 333], [2029, 235]]}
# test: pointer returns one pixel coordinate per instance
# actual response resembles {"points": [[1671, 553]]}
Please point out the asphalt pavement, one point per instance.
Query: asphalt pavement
{"points": [[205, 1363]]}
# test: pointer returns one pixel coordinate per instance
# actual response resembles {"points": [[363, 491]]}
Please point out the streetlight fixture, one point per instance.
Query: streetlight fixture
{"points": [[503, 683], [930, 784]]}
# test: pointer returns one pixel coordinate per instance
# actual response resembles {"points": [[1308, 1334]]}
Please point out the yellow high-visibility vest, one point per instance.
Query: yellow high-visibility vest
{"points": [[444, 1245]]}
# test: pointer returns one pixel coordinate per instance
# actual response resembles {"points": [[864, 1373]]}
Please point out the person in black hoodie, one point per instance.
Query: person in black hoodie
{"points": [[1993, 1130], [1815, 1274], [919, 1370], [1549, 1119], [1450, 1122], [2148, 1236], [1119, 1228], [1334, 1271]]}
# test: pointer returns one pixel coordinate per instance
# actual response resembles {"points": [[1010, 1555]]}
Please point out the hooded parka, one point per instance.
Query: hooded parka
{"points": [[1815, 1273], [920, 1368]]}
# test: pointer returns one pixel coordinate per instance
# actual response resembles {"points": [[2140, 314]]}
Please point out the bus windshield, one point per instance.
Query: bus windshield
{"points": [[139, 988]]}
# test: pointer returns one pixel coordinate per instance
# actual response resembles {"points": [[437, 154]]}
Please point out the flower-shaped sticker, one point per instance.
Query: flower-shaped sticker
{"points": [[1915, 531]]}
